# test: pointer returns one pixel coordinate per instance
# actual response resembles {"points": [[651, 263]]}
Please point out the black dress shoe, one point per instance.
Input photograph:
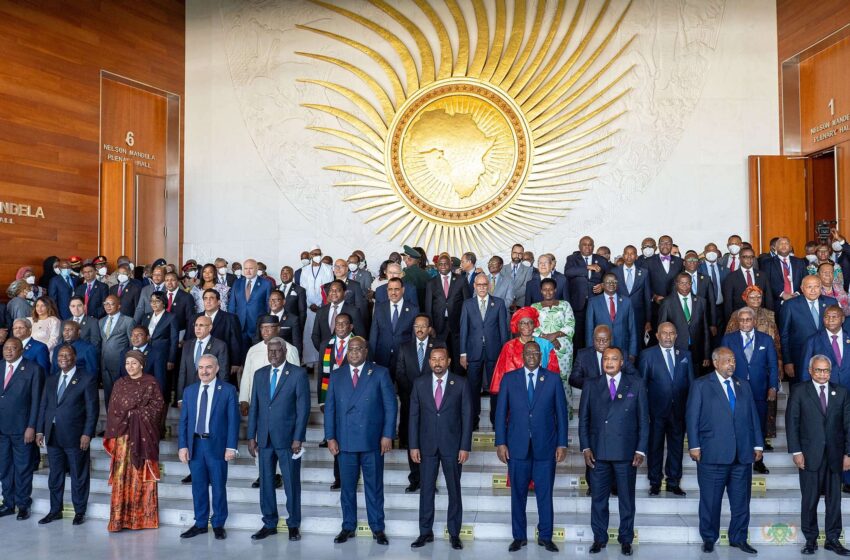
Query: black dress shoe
{"points": [[263, 533], [836, 547], [421, 541], [79, 519], [613, 491], [810, 548], [654, 490], [844, 488], [278, 481], [626, 549], [707, 546], [744, 547], [517, 544], [255, 484], [294, 534], [324, 443], [336, 486], [597, 547], [188, 480], [677, 490], [101, 434], [380, 538], [220, 533], [759, 467], [411, 489], [767, 447], [343, 536], [52, 516], [4, 511], [548, 545], [23, 514], [455, 542], [193, 531]]}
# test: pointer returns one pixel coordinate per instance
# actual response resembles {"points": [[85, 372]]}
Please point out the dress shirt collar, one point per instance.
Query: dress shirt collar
{"points": [[204, 341], [26, 341], [424, 341], [15, 365], [70, 374], [616, 379], [819, 385], [723, 382]]}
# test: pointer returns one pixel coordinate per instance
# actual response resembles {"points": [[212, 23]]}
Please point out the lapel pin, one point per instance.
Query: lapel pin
{"points": [[492, 304], [286, 372], [218, 388], [406, 309], [620, 396], [833, 393], [542, 378], [369, 372], [737, 383], [431, 345], [74, 382], [452, 382], [677, 352]]}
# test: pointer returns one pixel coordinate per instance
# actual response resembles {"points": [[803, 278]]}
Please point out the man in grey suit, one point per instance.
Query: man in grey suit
{"points": [[89, 330], [115, 332], [157, 285], [520, 275], [500, 282], [204, 343]]}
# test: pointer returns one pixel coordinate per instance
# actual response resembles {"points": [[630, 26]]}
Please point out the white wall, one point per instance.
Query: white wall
{"points": [[704, 97]]}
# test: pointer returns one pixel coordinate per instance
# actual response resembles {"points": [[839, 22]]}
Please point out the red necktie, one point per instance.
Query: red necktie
{"points": [[170, 300], [786, 277], [340, 355], [446, 286], [732, 265], [749, 279], [86, 302], [120, 289], [612, 311], [356, 378]]}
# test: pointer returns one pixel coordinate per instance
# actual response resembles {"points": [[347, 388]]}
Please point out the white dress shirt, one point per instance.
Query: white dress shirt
{"points": [[210, 397], [533, 379], [434, 378], [154, 322]]}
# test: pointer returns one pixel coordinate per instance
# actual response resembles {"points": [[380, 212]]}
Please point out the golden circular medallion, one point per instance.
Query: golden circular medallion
{"points": [[458, 151]]}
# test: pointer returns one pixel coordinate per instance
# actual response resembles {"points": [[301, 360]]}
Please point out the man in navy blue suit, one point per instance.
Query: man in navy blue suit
{"points": [[633, 282], [584, 271], [785, 273], [392, 326], [93, 291], [440, 434], [444, 297], [20, 399], [483, 332], [546, 269], [663, 269], [85, 353], [724, 438], [756, 361], [668, 373], [531, 437], [410, 293], [67, 420], [360, 422], [61, 289], [277, 426], [799, 319], [614, 437], [613, 310], [248, 300], [208, 436], [588, 362], [34, 350]]}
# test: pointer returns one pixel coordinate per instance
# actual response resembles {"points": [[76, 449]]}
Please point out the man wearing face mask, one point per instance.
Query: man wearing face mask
{"points": [[61, 289], [305, 261], [112, 278], [731, 261], [716, 274], [648, 248], [20, 300], [262, 273], [93, 292], [354, 294], [314, 276], [358, 273], [841, 254], [128, 290], [784, 272], [224, 276], [294, 298]]}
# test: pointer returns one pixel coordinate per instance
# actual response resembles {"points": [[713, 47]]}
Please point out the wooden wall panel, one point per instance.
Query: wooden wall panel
{"points": [[50, 79], [825, 98], [802, 23]]}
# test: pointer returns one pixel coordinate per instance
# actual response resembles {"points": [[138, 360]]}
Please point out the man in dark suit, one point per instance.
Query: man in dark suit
{"points": [[89, 330], [67, 421], [613, 310], [411, 294], [354, 294], [584, 271], [20, 399], [225, 327], [520, 275], [531, 438], [360, 421], [248, 299], [392, 325], [668, 373], [724, 438], [690, 316], [833, 341], [115, 332], [483, 332], [61, 289], [744, 276], [325, 320], [290, 324], [468, 269], [295, 300], [756, 362], [207, 438], [413, 363], [203, 343], [224, 276], [178, 302], [614, 439], [92, 291], [799, 319], [764, 259], [128, 290], [34, 350], [155, 283], [663, 269], [784, 272], [633, 282], [817, 423], [85, 354], [444, 297], [546, 269], [702, 287], [440, 436], [588, 362], [716, 274], [277, 426]]}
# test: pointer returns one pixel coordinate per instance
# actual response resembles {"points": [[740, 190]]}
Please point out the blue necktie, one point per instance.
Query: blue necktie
{"points": [[273, 384], [630, 281], [420, 354], [201, 426], [394, 319], [62, 387], [670, 365], [815, 315], [731, 394], [530, 388], [198, 351]]}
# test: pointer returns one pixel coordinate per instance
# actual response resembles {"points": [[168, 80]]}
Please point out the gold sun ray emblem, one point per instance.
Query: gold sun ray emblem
{"points": [[487, 143]]}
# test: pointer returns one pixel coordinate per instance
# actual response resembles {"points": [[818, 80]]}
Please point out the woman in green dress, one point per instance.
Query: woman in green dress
{"points": [[557, 325]]}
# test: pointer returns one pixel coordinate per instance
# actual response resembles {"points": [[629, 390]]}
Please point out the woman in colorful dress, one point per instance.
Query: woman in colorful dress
{"points": [[557, 325]]}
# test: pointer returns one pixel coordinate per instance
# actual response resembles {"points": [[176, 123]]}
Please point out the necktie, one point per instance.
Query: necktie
{"points": [[394, 319], [88, 293], [731, 394], [612, 310], [492, 284], [333, 316], [587, 260], [446, 286], [815, 315], [748, 347], [170, 300], [630, 280], [732, 264], [482, 307], [355, 378], [513, 272], [438, 394], [78, 320], [62, 386], [612, 388], [198, 351], [714, 281], [686, 309], [108, 330], [201, 426], [273, 384], [836, 350], [670, 365], [749, 279], [822, 399], [8, 376], [786, 277], [530, 388], [120, 289], [70, 283], [248, 289], [420, 355], [340, 354], [694, 284]]}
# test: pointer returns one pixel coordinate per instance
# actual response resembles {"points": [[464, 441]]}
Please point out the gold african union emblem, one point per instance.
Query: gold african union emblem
{"points": [[485, 143]]}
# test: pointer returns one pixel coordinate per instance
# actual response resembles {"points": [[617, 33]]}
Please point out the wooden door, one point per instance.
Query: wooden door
{"points": [[842, 181], [150, 231], [116, 207], [777, 201]]}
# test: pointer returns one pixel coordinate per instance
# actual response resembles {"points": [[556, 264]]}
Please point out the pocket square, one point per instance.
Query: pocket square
{"points": [[761, 347], [630, 395]]}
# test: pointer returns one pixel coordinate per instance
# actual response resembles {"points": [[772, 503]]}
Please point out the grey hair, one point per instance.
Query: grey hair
{"points": [[719, 350], [820, 357], [14, 288], [210, 357], [276, 340], [747, 311]]}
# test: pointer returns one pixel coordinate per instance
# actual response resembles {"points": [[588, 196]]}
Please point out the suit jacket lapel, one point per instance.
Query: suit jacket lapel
{"points": [[538, 387], [813, 395], [364, 375], [284, 375], [721, 390]]}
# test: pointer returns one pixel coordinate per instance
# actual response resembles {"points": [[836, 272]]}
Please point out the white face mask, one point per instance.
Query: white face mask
{"points": [[317, 258], [526, 263], [305, 262], [30, 294], [353, 267], [812, 258], [222, 270], [123, 278], [711, 256], [734, 249], [192, 273], [837, 246], [102, 271], [260, 272], [57, 270], [30, 280], [648, 252], [362, 265], [131, 266], [238, 273]]}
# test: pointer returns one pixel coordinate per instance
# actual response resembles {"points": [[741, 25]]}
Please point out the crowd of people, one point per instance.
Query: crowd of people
{"points": [[662, 344]]}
